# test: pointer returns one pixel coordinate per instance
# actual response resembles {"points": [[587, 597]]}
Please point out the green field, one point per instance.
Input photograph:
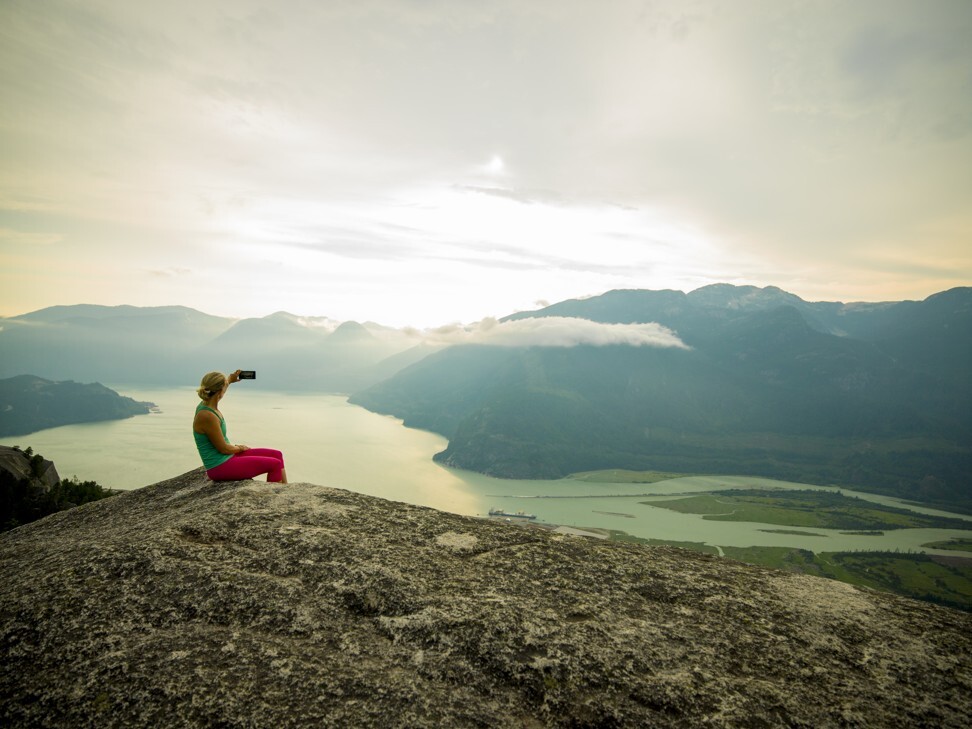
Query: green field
{"points": [[959, 545], [807, 508], [934, 579], [806, 447], [794, 532], [620, 475], [942, 580]]}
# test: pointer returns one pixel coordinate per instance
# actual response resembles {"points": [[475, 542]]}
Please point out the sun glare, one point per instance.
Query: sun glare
{"points": [[489, 251], [495, 166]]}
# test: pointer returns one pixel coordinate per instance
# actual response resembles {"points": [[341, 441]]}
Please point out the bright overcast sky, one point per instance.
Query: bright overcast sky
{"points": [[417, 162]]}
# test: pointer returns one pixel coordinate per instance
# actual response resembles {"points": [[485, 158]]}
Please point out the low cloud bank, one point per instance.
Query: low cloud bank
{"points": [[555, 331]]}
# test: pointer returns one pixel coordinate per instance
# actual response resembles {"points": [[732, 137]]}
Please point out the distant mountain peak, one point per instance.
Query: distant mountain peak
{"points": [[351, 331], [742, 297], [98, 311]]}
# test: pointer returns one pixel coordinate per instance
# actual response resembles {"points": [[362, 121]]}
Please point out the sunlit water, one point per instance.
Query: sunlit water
{"points": [[327, 441]]}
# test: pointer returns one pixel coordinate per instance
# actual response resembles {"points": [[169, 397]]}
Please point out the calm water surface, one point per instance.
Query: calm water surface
{"points": [[327, 441]]}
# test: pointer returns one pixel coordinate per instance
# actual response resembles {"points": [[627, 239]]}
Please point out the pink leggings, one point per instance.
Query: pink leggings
{"points": [[250, 463]]}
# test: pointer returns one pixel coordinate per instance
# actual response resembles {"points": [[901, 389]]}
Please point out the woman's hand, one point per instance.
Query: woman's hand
{"points": [[241, 448], [234, 376]]}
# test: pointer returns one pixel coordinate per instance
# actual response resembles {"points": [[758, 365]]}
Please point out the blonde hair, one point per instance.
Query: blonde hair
{"points": [[211, 383]]}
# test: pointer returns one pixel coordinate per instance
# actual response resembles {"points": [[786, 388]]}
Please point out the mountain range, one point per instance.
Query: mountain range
{"points": [[876, 396], [725, 379], [175, 345]]}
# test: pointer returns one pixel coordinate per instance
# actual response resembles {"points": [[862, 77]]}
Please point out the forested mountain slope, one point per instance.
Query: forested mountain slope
{"points": [[28, 404], [770, 385]]}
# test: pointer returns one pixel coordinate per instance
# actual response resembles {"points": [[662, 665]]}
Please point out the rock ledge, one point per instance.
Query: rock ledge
{"points": [[244, 604]]}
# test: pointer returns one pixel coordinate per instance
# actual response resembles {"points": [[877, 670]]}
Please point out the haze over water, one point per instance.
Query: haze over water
{"points": [[329, 442]]}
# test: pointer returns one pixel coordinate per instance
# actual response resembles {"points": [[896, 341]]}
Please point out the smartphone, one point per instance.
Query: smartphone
{"points": [[247, 374]]}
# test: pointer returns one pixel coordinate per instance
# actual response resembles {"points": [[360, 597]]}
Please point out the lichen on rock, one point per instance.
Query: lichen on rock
{"points": [[191, 603]]}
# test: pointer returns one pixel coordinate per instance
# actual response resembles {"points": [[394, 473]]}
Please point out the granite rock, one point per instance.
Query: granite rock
{"points": [[246, 604], [16, 466]]}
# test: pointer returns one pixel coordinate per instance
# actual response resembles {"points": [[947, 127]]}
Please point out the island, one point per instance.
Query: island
{"points": [[29, 404]]}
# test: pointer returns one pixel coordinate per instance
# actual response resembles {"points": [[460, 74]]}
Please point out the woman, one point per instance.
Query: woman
{"points": [[225, 461]]}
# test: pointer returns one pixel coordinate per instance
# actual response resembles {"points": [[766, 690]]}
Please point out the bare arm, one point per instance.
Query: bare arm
{"points": [[207, 422]]}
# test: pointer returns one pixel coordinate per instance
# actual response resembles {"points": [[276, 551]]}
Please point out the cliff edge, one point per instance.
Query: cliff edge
{"points": [[243, 604]]}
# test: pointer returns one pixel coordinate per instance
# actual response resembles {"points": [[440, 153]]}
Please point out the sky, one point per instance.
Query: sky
{"points": [[421, 162]]}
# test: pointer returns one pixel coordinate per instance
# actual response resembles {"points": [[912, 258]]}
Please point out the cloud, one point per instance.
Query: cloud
{"points": [[555, 331], [318, 322], [527, 197]]}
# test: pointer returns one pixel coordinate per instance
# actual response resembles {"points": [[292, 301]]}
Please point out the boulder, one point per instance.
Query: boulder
{"points": [[247, 604]]}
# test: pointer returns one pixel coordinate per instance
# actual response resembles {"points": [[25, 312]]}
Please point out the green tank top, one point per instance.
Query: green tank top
{"points": [[207, 451]]}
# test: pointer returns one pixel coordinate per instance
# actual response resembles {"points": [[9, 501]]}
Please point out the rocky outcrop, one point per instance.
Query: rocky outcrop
{"points": [[245, 604], [16, 466], [26, 483]]}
